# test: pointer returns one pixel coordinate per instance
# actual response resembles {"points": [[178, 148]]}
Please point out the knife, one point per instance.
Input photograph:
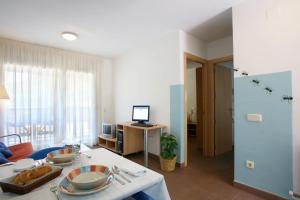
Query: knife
{"points": [[119, 180]]}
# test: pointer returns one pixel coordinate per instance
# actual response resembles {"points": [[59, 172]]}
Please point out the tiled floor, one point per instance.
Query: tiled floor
{"points": [[204, 178]]}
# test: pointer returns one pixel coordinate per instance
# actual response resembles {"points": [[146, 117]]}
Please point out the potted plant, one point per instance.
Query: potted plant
{"points": [[167, 156]]}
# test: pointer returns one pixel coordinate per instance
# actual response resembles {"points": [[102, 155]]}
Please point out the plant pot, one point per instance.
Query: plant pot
{"points": [[168, 165]]}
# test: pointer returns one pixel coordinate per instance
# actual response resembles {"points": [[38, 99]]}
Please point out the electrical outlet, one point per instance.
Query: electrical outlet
{"points": [[250, 164]]}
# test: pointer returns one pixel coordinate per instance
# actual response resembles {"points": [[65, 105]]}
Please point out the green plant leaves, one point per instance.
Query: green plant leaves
{"points": [[168, 146]]}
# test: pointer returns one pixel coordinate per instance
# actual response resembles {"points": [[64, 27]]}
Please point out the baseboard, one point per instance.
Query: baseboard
{"points": [[181, 165], [257, 192], [153, 156]]}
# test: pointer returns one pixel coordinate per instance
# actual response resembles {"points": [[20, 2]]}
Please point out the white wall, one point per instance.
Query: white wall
{"points": [[144, 76], [192, 88], [107, 104], [220, 48], [192, 45], [266, 40]]}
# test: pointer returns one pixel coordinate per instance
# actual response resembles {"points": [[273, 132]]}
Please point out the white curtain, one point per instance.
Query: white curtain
{"points": [[54, 94]]}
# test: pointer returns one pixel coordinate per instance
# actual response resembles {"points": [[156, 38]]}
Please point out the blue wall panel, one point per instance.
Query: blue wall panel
{"points": [[269, 143], [177, 118]]}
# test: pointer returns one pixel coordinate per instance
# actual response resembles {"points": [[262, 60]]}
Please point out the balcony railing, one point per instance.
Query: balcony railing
{"points": [[40, 133]]}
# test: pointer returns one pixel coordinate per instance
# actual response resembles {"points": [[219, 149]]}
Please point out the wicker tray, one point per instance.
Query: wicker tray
{"points": [[7, 186]]}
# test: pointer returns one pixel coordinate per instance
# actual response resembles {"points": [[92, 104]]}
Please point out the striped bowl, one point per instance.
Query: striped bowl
{"points": [[62, 155], [89, 177]]}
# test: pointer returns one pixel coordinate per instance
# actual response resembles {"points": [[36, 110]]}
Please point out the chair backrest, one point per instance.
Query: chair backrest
{"points": [[20, 151], [10, 135]]}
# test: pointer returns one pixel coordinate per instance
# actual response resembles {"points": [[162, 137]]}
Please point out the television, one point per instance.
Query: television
{"points": [[108, 130], [140, 113]]}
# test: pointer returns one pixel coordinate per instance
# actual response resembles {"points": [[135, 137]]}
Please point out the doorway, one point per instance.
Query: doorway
{"points": [[194, 124], [194, 105], [211, 118]]}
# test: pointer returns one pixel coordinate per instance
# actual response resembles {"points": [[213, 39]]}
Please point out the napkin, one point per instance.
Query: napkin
{"points": [[7, 172], [132, 170], [23, 164]]}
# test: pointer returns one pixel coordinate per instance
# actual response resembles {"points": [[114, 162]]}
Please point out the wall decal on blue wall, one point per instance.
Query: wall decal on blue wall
{"points": [[269, 143], [245, 74], [268, 90], [256, 82], [287, 98]]}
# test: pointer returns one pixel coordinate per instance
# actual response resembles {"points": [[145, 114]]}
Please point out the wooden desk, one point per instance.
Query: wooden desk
{"points": [[135, 138]]}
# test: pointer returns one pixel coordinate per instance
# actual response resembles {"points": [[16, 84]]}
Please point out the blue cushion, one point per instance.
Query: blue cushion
{"points": [[5, 151], [141, 196], [3, 160], [41, 154]]}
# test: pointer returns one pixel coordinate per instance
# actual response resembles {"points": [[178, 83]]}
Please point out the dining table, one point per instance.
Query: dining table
{"points": [[151, 182]]}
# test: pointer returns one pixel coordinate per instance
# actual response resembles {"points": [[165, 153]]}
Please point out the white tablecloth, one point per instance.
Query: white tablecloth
{"points": [[151, 183]]}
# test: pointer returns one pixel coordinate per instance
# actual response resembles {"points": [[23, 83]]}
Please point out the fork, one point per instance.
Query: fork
{"points": [[54, 189], [116, 177]]}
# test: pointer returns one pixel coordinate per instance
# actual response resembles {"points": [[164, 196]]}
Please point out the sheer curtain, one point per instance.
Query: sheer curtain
{"points": [[54, 94]]}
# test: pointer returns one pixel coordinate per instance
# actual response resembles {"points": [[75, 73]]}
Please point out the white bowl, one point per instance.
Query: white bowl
{"points": [[88, 177], [61, 156]]}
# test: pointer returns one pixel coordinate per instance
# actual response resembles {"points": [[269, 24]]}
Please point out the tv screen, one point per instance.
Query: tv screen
{"points": [[140, 113]]}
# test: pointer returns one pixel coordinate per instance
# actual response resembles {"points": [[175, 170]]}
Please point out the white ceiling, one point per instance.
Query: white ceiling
{"points": [[215, 28], [110, 27]]}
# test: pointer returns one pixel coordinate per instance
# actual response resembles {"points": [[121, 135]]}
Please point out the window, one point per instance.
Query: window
{"points": [[49, 105], [79, 98]]}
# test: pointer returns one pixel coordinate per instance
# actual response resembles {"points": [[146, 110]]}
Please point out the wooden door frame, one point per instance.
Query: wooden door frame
{"points": [[208, 119]]}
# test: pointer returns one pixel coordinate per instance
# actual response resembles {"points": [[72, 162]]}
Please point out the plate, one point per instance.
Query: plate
{"points": [[62, 155], [88, 177], [67, 188]]}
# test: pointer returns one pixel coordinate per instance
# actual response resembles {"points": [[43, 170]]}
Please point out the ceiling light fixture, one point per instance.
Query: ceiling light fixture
{"points": [[69, 36]]}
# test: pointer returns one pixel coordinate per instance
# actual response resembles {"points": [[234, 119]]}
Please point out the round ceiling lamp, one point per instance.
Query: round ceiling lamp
{"points": [[69, 36]]}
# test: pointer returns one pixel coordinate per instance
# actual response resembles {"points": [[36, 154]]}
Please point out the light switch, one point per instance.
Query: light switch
{"points": [[254, 117]]}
